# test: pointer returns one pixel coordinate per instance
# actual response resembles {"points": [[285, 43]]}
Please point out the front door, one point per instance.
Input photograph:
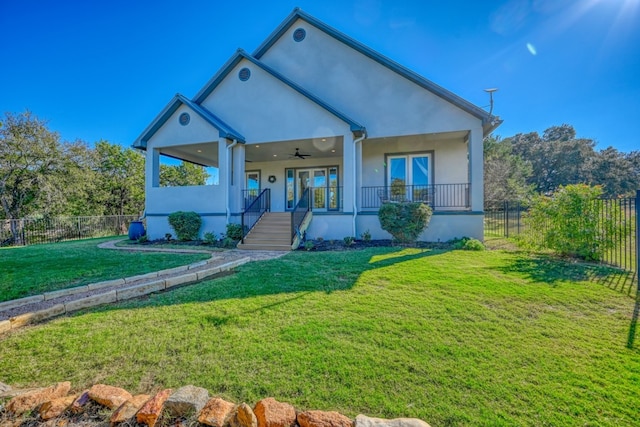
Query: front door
{"points": [[316, 180]]}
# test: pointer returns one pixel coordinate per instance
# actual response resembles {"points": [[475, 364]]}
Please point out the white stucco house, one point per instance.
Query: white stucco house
{"points": [[313, 117]]}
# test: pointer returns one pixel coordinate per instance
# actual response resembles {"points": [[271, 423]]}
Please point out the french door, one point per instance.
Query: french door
{"points": [[322, 182]]}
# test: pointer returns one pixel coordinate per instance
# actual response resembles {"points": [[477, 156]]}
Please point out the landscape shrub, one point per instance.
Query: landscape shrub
{"points": [[366, 236], [234, 232], [467, 244], [209, 238], [574, 221], [308, 245], [185, 224], [404, 220], [349, 240]]}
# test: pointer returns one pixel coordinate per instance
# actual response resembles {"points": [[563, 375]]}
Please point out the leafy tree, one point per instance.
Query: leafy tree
{"points": [[557, 158], [575, 221], [120, 180], [615, 172], [505, 173], [185, 173], [30, 156]]}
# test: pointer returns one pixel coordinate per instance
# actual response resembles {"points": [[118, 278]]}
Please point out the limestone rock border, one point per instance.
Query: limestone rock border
{"points": [[121, 294], [193, 404]]}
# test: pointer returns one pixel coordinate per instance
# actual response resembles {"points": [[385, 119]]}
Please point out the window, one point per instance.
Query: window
{"points": [[408, 177]]}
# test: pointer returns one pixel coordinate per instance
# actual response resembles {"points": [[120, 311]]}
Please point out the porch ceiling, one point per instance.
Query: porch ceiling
{"points": [[284, 150], [205, 154]]}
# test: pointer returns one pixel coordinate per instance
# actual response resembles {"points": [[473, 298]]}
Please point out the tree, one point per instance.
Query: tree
{"points": [[30, 156], [505, 173], [558, 158], [615, 172], [185, 173], [120, 180]]}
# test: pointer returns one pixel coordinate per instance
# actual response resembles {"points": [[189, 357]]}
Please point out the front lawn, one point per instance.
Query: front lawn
{"points": [[32, 270], [452, 337]]}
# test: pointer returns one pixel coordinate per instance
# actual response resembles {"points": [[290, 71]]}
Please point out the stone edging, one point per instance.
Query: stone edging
{"points": [[188, 405], [121, 294]]}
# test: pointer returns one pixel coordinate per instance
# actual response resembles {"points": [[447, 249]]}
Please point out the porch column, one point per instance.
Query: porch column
{"points": [[153, 168], [476, 169], [237, 184], [348, 176], [223, 171]]}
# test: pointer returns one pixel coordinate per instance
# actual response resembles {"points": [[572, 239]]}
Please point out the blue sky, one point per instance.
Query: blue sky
{"points": [[103, 70]]}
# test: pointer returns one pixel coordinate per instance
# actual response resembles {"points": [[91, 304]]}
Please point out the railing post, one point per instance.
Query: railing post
{"points": [[506, 218], [636, 308]]}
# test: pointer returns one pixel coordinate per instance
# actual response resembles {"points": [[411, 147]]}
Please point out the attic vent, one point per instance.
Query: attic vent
{"points": [[299, 34], [184, 119], [244, 74]]}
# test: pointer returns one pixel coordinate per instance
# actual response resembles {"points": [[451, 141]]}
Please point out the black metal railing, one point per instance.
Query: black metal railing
{"points": [[618, 222], [31, 231], [254, 210], [438, 196], [302, 208]]}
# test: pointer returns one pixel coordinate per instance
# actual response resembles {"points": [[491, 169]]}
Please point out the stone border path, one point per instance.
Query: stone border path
{"points": [[24, 311]]}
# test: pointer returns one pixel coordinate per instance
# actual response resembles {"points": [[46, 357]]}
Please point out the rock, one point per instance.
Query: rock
{"points": [[271, 413], [151, 411], [78, 404], [129, 408], [56, 407], [364, 421], [28, 401], [216, 412], [109, 396], [187, 400], [323, 419], [243, 416], [4, 388]]}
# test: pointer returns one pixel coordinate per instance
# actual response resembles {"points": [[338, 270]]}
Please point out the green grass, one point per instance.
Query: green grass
{"points": [[32, 270], [487, 338]]}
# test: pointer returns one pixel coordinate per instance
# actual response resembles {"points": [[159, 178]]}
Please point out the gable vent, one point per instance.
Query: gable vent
{"points": [[184, 119], [244, 74], [299, 34]]}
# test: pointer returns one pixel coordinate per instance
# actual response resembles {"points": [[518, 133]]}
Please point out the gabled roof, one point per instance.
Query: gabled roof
{"points": [[488, 120], [355, 127], [224, 130]]}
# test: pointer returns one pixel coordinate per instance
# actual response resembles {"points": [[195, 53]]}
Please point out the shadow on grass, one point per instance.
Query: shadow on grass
{"points": [[299, 273], [551, 270]]}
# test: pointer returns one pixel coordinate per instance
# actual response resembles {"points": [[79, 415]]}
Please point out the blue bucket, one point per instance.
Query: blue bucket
{"points": [[136, 230]]}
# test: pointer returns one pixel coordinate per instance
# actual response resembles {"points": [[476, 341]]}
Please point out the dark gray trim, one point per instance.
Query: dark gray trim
{"points": [[224, 130], [199, 213], [437, 213], [240, 55]]}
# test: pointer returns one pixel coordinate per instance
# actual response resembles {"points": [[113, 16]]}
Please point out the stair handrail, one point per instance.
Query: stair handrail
{"points": [[255, 211], [299, 213]]}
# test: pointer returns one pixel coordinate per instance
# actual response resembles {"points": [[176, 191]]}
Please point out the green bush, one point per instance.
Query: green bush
{"points": [[405, 220], [234, 232], [349, 240], [366, 236], [467, 244], [308, 245], [185, 224], [209, 238], [574, 222], [228, 242]]}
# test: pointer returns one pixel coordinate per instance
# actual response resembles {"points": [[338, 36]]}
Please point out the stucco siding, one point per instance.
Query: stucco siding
{"points": [[201, 199], [173, 133], [382, 100], [442, 227], [264, 109]]}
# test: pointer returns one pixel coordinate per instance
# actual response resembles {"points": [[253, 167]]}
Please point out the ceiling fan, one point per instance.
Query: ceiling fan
{"points": [[299, 155]]}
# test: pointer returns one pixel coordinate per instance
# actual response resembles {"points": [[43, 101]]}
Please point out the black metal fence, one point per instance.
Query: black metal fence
{"points": [[438, 196], [618, 221], [31, 231]]}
